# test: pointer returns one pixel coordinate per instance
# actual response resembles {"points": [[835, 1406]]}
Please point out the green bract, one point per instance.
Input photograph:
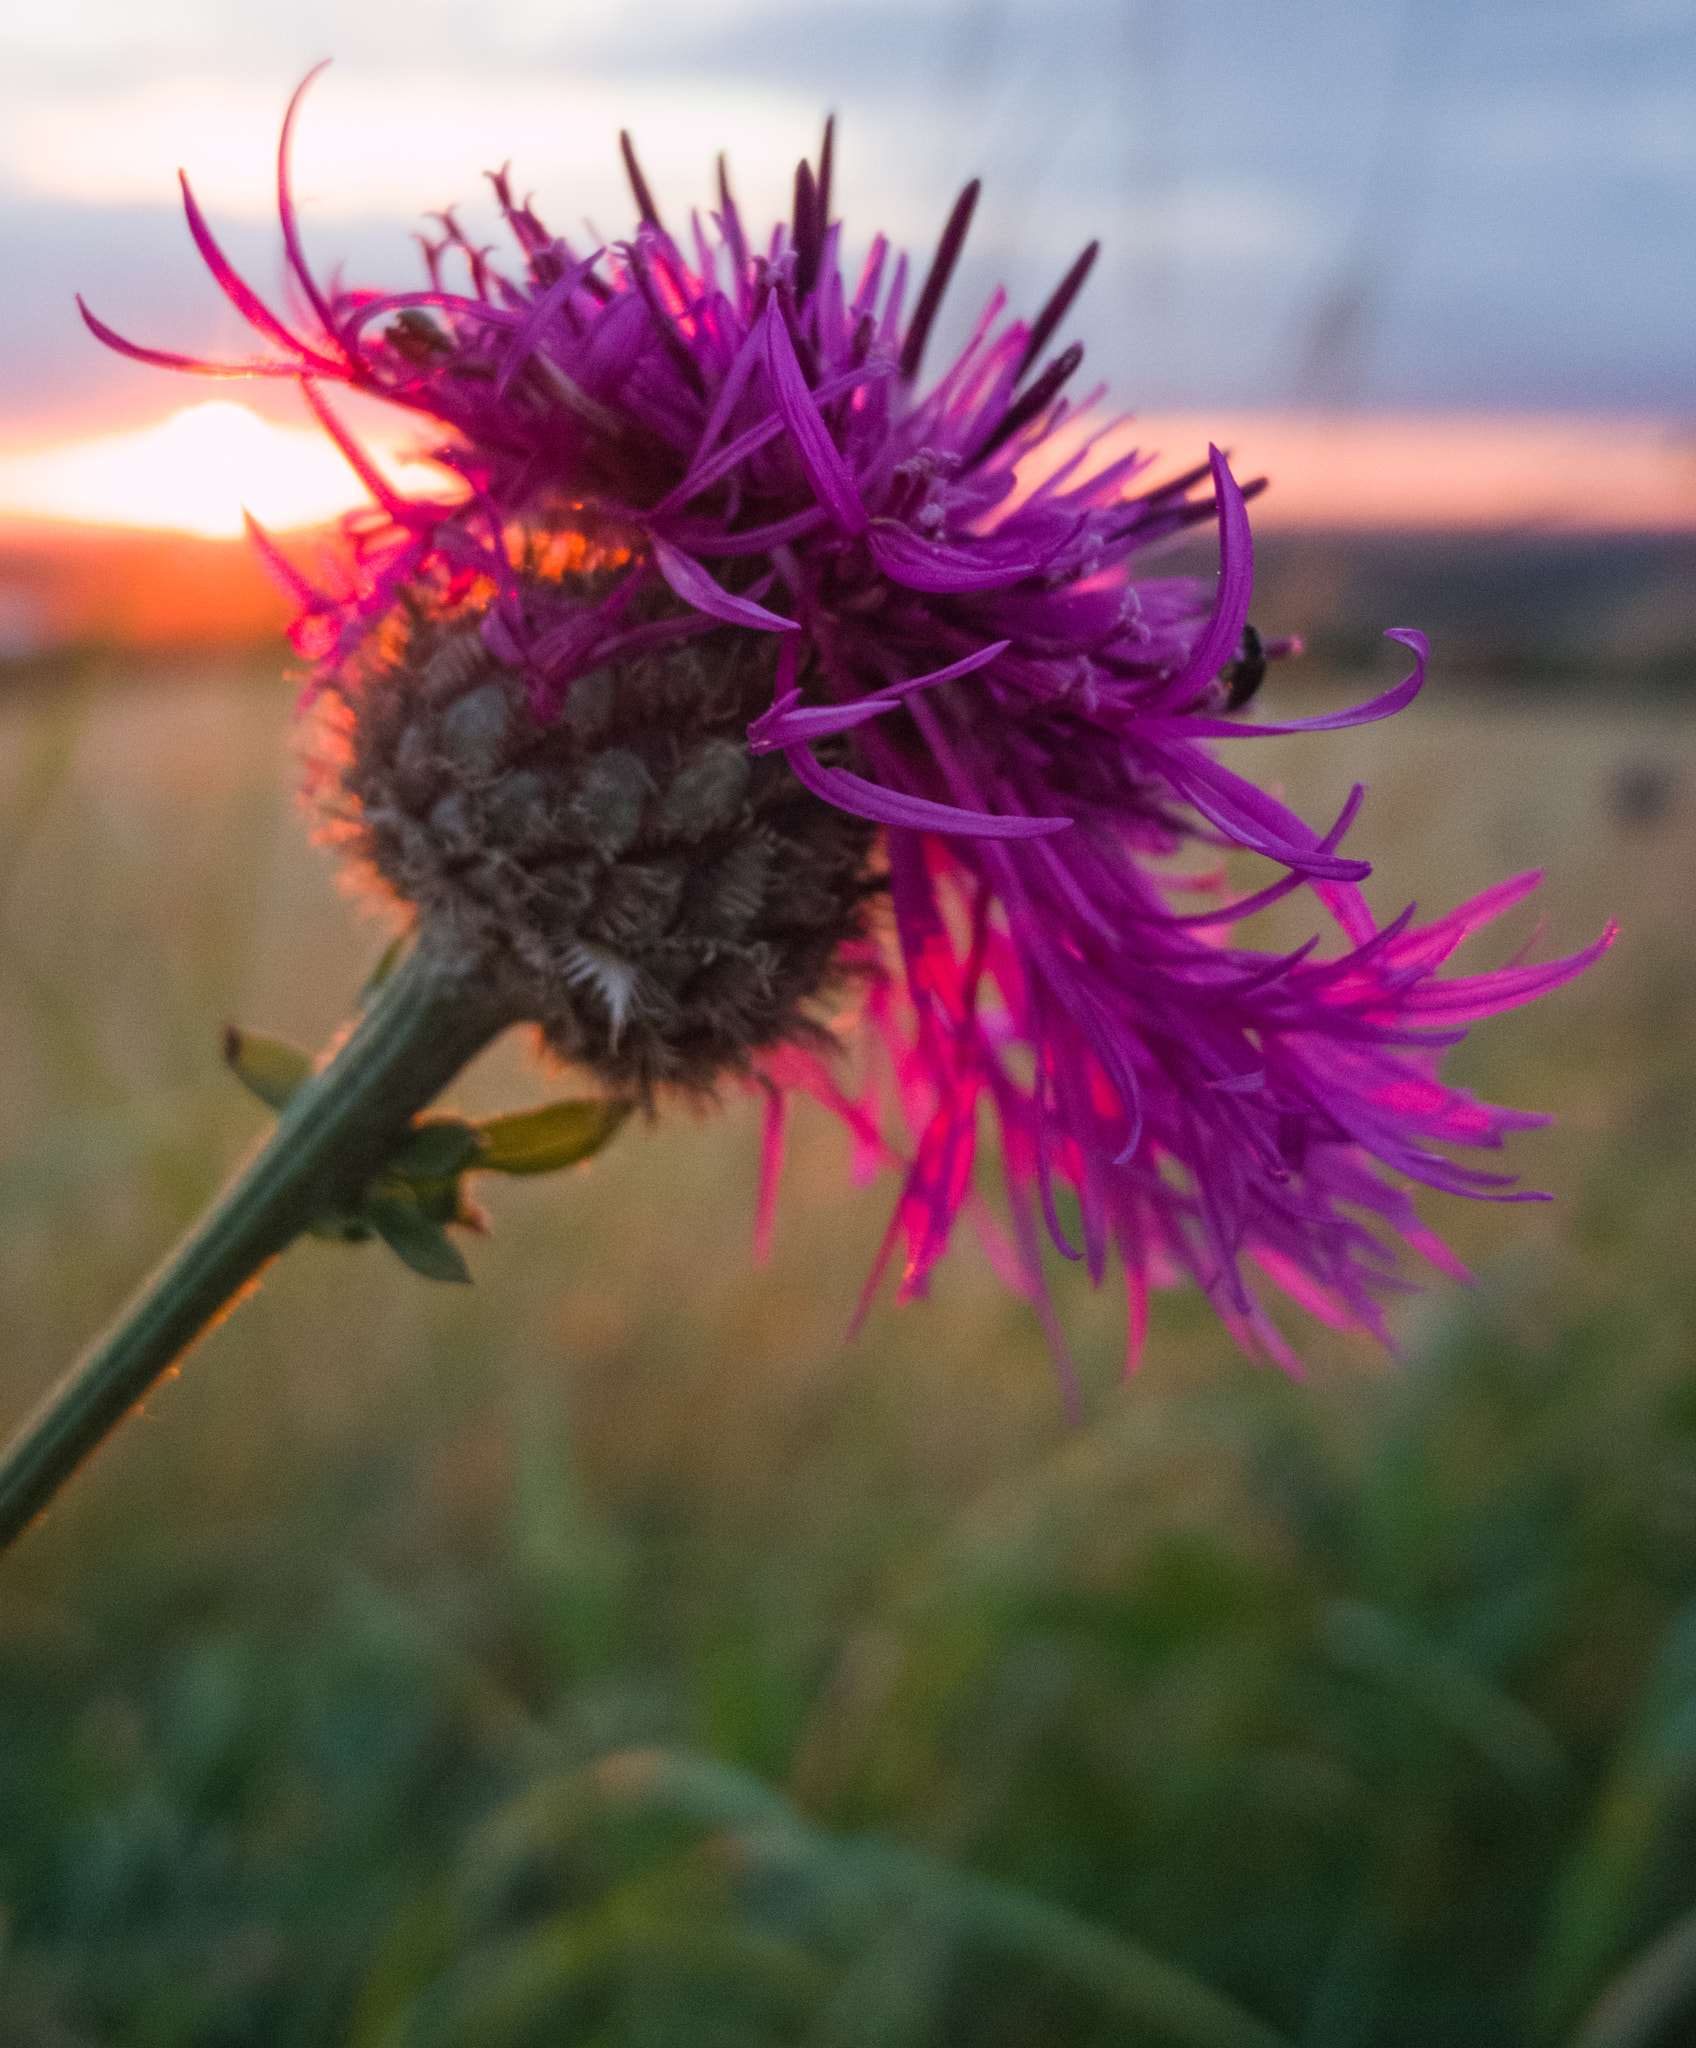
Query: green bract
{"points": [[421, 1189]]}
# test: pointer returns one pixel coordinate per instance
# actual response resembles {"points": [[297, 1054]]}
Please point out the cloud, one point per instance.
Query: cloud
{"points": [[1642, 126], [369, 146], [141, 38], [1223, 221], [1516, 180]]}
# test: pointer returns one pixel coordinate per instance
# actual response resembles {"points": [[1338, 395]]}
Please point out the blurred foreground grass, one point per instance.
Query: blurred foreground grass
{"points": [[609, 1655]]}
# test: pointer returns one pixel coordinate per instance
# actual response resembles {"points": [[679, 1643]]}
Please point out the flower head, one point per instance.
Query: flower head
{"points": [[732, 622]]}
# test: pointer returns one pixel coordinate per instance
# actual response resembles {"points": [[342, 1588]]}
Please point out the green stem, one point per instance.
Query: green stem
{"points": [[432, 1015]]}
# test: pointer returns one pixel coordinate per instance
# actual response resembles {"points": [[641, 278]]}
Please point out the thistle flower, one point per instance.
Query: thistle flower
{"points": [[741, 667]]}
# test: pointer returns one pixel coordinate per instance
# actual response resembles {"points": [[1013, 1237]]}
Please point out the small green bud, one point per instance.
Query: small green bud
{"points": [[342, 1228], [270, 1067]]}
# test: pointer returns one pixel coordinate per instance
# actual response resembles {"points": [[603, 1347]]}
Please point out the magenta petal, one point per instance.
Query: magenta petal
{"points": [[851, 380], [863, 799], [1236, 586], [1249, 816], [1484, 995], [293, 584], [375, 308], [696, 587], [1480, 910], [712, 467], [166, 359], [292, 249], [771, 1171], [397, 507], [535, 323], [826, 471], [783, 726], [699, 537], [1275, 892], [941, 566], [729, 392], [241, 295], [1383, 706]]}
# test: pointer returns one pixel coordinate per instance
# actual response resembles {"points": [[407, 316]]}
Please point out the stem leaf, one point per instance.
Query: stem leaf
{"points": [[270, 1068], [414, 1239], [543, 1140]]}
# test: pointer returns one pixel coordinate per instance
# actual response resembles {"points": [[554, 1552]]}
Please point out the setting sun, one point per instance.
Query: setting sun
{"points": [[195, 472]]}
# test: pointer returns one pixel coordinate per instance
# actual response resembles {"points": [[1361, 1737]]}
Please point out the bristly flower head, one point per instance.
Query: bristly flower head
{"points": [[709, 519]]}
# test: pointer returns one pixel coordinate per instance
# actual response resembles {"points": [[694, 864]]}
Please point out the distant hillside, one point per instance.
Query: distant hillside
{"points": [[65, 585], [1551, 609]]}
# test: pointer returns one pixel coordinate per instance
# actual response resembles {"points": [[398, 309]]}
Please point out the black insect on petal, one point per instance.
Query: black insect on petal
{"points": [[1245, 675]]}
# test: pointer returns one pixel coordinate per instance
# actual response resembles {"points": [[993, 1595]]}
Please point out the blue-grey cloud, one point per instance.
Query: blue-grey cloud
{"points": [[1408, 202]]}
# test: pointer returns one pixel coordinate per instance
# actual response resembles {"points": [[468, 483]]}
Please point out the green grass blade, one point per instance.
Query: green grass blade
{"points": [[1649, 1785], [1128, 1982], [1647, 1994]]}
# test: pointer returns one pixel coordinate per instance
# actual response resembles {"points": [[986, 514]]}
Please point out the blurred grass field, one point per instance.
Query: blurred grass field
{"points": [[610, 1654]]}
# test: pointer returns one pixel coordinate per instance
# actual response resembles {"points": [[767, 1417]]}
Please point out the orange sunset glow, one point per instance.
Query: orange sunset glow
{"points": [[135, 536], [196, 470], [1438, 472]]}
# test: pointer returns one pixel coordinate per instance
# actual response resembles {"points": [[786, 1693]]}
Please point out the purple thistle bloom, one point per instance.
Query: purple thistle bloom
{"points": [[742, 439]]}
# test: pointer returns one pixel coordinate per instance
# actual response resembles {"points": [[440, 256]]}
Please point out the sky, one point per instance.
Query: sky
{"points": [[1366, 204]]}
